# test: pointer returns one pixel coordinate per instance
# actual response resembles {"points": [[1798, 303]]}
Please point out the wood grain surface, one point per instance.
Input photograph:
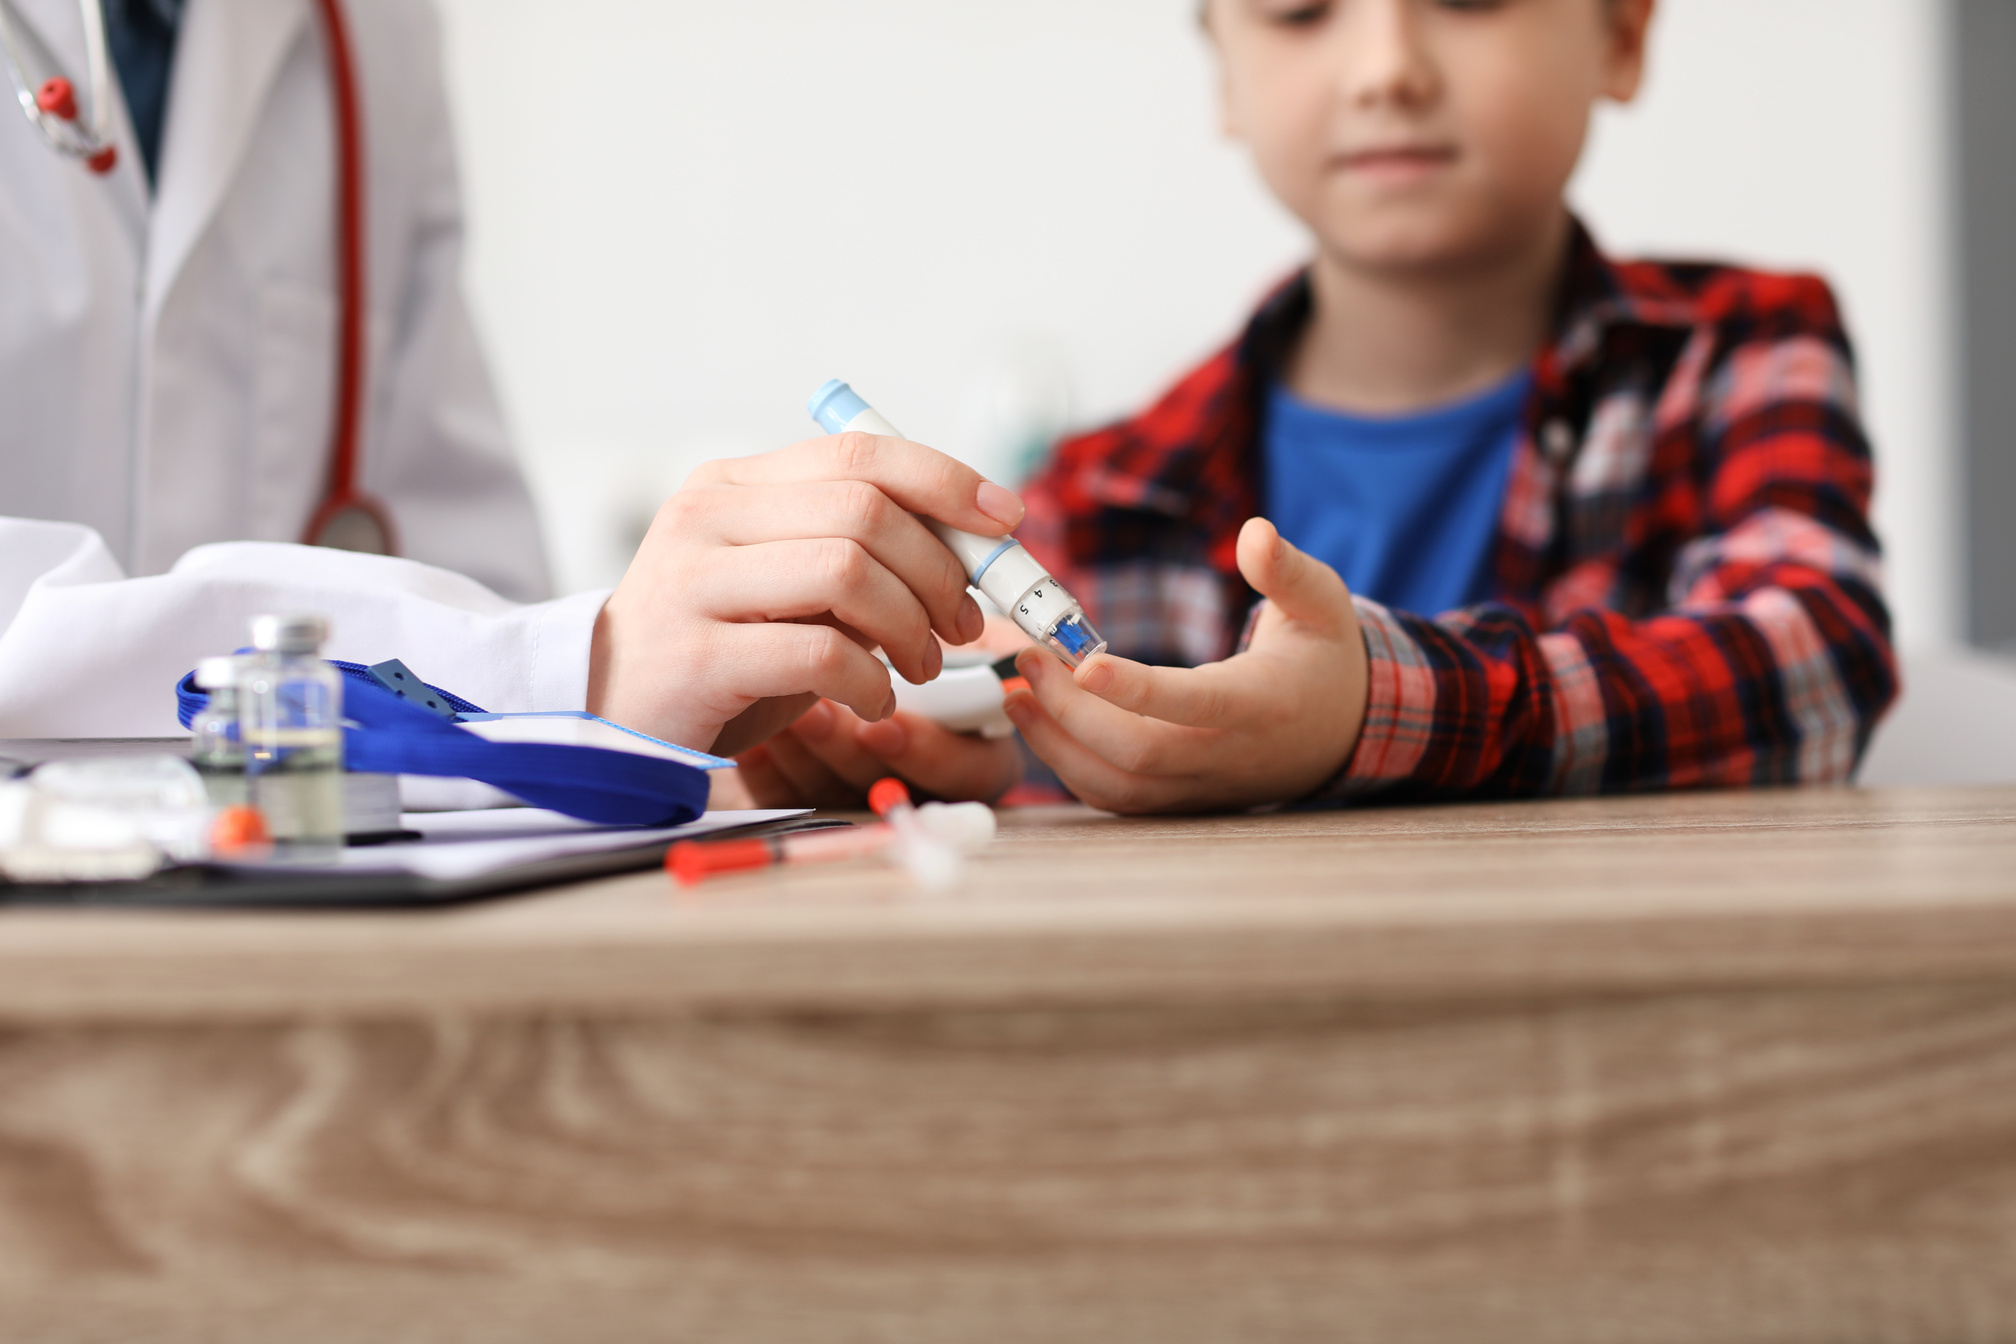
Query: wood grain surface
{"points": [[1645, 1070], [1070, 907]]}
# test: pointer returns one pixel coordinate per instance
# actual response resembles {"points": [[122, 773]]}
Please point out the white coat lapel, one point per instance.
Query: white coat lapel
{"points": [[226, 58]]}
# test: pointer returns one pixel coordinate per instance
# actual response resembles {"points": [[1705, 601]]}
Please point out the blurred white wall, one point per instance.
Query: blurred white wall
{"points": [[998, 218]]}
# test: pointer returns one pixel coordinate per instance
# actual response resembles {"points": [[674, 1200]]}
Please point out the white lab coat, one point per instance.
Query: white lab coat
{"points": [[167, 373], [86, 651]]}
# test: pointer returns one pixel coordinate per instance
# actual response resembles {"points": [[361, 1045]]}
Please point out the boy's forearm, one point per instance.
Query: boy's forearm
{"points": [[1781, 685]]}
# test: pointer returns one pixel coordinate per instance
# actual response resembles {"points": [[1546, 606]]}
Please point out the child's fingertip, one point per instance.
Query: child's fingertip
{"points": [[887, 738], [1021, 709], [1097, 676]]}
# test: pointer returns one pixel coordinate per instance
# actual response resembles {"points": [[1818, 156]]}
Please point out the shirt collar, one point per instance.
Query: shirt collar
{"points": [[1598, 294], [1595, 295], [1217, 435]]}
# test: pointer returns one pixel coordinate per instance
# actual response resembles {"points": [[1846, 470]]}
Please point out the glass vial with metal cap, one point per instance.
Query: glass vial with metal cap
{"points": [[290, 713], [216, 748]]}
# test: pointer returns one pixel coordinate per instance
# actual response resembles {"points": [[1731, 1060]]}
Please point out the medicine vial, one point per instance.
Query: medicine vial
{"points": [[216, 749], [997, 566], [290, 718]]}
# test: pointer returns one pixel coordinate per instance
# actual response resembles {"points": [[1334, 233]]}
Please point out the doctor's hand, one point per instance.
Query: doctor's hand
{"points": [[1268, 725], [763, 584]]}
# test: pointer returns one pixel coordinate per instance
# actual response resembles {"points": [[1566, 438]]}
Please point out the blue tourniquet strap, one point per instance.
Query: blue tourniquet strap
{"points": [[610, 788], [189, 697]]}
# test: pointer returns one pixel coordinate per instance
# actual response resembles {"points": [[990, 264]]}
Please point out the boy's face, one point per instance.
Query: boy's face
{"points": [[1422, 134]]}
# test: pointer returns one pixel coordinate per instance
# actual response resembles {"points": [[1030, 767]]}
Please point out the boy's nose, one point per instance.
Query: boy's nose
{"points": [[1385, 58]]}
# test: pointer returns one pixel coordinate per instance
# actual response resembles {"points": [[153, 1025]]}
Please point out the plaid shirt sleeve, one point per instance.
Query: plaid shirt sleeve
{"points": [[1766, 658]]}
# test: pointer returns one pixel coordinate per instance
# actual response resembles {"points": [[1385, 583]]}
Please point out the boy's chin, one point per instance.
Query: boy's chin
{"points": [[1421, 240]]}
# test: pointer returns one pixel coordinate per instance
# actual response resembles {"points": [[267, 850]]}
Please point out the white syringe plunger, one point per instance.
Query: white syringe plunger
{"points": [[998, 566]]}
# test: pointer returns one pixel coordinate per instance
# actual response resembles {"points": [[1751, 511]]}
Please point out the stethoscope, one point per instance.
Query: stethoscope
{"points": [[346, 518]]}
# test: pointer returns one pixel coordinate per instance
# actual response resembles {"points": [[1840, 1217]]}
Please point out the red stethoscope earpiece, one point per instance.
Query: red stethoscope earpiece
{"points": [[52, 105], [57, 98]]}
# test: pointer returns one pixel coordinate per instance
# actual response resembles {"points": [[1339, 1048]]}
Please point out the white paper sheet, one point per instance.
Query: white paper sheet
{"points": [[458, 845], [575, 729]]}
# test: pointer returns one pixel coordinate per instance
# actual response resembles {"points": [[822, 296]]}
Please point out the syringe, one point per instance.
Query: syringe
{"points": [[997, 566]]}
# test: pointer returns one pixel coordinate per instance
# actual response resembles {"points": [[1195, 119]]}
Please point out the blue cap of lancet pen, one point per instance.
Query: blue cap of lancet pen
{"points": [[836, 406]]}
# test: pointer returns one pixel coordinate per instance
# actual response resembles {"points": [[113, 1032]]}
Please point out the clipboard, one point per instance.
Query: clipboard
{"points": [[222, 887], [215, 887]]}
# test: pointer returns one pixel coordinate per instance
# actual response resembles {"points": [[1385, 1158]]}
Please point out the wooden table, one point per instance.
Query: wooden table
{"points": [[1703, 1068]]}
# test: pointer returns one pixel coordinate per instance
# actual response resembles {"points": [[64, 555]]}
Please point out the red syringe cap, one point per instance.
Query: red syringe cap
{"points": [[692, 861], [240, 832], [886, 795]]}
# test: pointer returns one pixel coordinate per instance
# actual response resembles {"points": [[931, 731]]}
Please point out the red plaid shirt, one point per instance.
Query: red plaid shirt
{"points": [[1686, 587]]}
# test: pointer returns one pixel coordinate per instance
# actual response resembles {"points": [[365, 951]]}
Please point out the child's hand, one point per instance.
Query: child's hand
{"points": [[829, 757], [763, 584], [1266, 725]]}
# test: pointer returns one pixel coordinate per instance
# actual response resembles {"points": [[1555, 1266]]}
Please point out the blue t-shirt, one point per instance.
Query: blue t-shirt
{"points": [[1405, 507]]}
